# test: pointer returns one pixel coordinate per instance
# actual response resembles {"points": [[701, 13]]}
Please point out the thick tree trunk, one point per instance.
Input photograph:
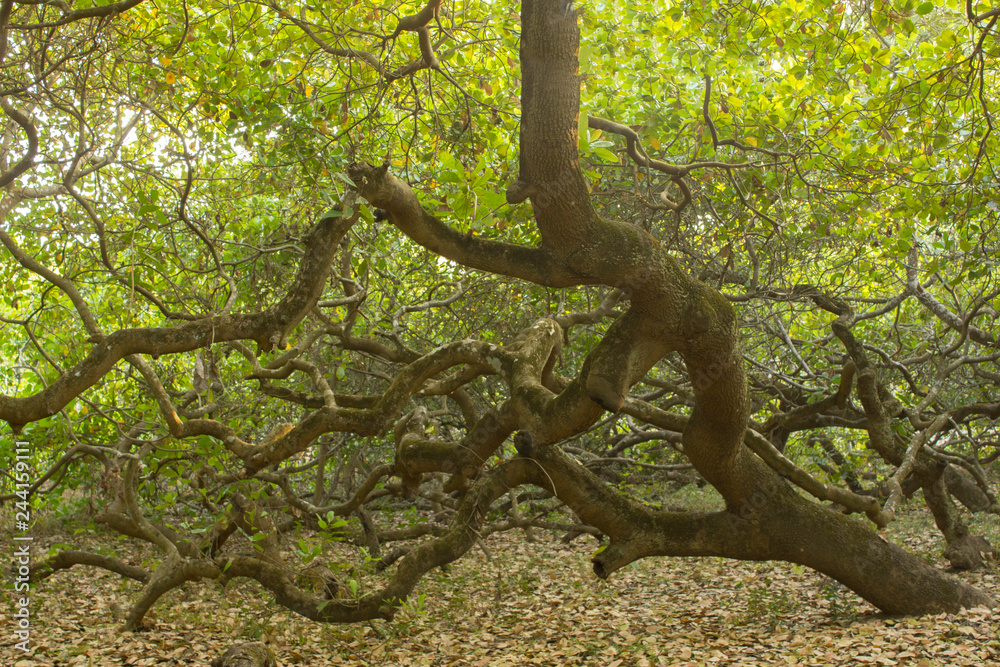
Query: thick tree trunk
{"points": [[965, 490], [670, 311], [891, 578], [965, 551], [773, 522]]}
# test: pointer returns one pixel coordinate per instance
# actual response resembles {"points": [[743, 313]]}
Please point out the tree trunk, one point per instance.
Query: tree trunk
{"points": [[965, 550], [669, 312]]}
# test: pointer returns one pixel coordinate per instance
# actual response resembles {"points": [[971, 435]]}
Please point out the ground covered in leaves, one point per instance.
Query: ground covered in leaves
{"points": [[520, 603]]}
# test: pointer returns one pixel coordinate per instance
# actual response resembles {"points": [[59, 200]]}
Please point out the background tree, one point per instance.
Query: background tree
{"points": [[198, 302]]}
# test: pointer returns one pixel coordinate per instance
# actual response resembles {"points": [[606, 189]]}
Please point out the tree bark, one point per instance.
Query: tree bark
{"points": [[965, 490], [965, 551]]}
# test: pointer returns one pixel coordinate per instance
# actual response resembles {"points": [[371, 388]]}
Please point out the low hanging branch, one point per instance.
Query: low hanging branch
{"points": [[69, 557], [762, 447]]}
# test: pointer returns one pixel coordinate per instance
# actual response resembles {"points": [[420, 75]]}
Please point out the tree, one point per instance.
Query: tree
{"points": [[168, 212]]}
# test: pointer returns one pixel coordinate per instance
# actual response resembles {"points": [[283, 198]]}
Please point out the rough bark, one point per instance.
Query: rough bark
{"points": [[965, 490], [965, 551], [774, 523]]}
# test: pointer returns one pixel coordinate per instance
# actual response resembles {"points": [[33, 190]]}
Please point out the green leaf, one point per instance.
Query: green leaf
{"points": [[606, 155]]}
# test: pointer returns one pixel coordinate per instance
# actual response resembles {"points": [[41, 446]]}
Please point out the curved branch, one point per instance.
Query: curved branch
{"points": [[63, 283], [895, 482], [941, 311], [385, 191], [67, 558], [454, 543], [605, 309], [419, 20], [28, 159], [345, 508], [770, 522], [853, 501], [775, 459], [171, 573], [304, 26], [375, 420], [639, 156]]}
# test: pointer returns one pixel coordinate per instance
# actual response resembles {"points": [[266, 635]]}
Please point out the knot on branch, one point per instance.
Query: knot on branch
{"points": [[605, 391], [519, 191], [613, 558], [524, 443], [366, 175], [408, 430]]}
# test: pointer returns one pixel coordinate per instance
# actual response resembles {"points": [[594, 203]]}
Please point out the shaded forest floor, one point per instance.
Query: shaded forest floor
{"points": [[526, 604]]}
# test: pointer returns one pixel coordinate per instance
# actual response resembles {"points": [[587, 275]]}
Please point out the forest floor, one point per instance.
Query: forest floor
{"points": [[522, 604]]}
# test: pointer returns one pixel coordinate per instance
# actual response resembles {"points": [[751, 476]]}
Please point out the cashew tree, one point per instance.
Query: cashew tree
{"points": [[269, 268]]}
